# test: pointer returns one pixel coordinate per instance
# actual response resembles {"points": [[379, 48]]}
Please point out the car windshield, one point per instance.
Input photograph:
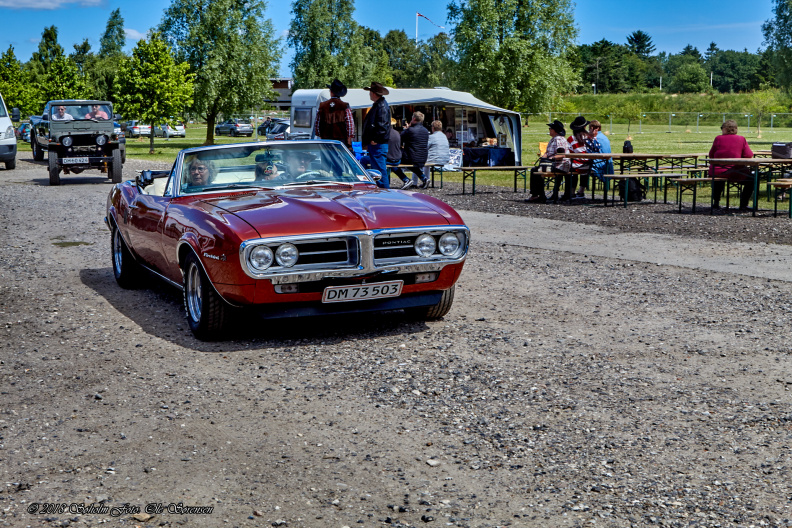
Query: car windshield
{"points": [[268, 166], [70, 112]]}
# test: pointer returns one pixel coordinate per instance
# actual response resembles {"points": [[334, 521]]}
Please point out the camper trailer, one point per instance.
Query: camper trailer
{"points": [[488, 135]]}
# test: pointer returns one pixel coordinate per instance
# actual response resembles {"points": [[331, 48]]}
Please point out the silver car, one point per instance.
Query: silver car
{"points": [[169, 131], [235, 127]]}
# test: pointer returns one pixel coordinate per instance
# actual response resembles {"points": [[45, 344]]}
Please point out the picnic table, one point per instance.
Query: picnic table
{"points": [[520, 171]]}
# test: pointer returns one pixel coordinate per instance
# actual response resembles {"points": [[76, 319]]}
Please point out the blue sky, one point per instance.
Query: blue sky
{"points": [[733, 24]]}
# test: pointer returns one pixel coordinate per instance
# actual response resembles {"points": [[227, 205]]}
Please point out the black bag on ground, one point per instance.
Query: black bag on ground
{"points": [[627, 148], [636, 190], [782, 150]]}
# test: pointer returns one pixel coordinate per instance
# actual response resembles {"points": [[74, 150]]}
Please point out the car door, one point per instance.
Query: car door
{"points": [[146, 219]]}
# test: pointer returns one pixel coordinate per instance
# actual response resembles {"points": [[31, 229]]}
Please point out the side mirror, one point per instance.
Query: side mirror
{"points": [[145, 178], [375, 174], [15, 115]]}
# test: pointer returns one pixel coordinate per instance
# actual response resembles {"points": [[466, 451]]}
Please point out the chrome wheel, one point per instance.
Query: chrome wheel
{"points": [[193, 292], [118, 252]]}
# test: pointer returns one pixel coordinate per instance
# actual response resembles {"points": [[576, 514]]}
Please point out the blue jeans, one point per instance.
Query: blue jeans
{"points": [[377, 154]]}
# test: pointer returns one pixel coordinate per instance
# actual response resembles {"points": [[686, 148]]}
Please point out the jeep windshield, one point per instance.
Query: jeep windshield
{"points": [[90, 112]]}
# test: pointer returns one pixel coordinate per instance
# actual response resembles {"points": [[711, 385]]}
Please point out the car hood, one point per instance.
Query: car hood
{"points": [[309, 211]]}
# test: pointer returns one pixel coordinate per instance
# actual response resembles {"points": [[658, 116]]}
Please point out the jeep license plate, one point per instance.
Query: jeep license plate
{"points": [[75, 160], [362, 292]]}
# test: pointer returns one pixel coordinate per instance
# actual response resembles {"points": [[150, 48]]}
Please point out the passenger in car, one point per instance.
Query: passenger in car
{"points": [[267, 171], [61, 114]]}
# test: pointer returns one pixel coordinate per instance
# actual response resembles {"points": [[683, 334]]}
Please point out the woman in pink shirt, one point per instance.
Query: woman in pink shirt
{"points": [[730, 145]]}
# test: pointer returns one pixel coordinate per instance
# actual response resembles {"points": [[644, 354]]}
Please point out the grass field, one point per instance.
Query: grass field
{"points": [[651, 139]]}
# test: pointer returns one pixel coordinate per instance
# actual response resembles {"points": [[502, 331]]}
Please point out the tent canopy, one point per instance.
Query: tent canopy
{"points": [[359, 98]]}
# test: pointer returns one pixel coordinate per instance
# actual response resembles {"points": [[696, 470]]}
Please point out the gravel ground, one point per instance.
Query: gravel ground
{"points": [[561, 390]]}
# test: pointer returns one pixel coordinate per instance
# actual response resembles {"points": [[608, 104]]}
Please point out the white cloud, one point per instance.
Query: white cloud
{"points": [[284, 33], [48, 5], [132, 34]]}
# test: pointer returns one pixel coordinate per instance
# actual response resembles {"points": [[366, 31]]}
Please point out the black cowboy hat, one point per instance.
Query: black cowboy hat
{"points": [[337, 88], [558, 126], [377, 88], [579, 123]]}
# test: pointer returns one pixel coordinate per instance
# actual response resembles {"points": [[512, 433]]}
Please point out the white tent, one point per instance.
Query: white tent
{"points": [[305, 102]]}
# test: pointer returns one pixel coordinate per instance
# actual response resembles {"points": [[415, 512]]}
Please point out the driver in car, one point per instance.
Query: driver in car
{"points": [[298, 163], [97, 113]]}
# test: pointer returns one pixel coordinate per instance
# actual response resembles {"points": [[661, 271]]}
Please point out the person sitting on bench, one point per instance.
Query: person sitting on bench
{"points": [[557, 144], [730, 145]]}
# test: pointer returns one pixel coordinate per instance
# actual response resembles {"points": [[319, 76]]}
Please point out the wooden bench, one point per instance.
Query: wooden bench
{"points": [[781, 185], [433, 167], [519, 172], [691, 184]]}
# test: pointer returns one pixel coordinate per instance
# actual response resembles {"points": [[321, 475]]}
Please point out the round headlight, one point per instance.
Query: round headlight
{"points": [[101, 139], [260, 258], [287, 255], [449, 244], [67, 141], [425, 245]]}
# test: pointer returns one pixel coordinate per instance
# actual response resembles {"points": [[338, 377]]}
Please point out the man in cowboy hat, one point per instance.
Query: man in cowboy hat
{"points": [[334, 119], [376, 131]]}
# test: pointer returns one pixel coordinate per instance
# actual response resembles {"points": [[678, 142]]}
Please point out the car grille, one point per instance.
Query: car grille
{"points": [[327, 252], [394, 246]]}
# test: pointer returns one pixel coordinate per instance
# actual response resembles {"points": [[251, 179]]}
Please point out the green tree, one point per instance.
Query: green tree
{"points": [[640, 43], [82, 55], [230, 48], [604, 66], [327, 44], [514, 53], [48, 50], [629, 110], [15, 84], [152, 86], [112, 42], [63, 80], [690, 77], [438, 67], [761, 102], [734, 71], [712, 50], [403, 58], [692, 51], [778, 37]]}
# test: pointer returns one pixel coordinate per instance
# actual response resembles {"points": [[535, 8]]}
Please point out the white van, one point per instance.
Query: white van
{"points": [[8, 142]]}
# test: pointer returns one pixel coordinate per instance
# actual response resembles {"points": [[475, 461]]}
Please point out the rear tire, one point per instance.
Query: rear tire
{"points": [[11, 164], [125, 269], [54, 170], [38, 154], [232, 133], [116, 167], [437, 311], [207, 312]]}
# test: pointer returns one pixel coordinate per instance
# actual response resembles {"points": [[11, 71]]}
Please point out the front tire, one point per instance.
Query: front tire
{"points": [[10, 164], [207, 312], [38, 154], [437, 311], [125, 269], [116, 167], [54, 170]]}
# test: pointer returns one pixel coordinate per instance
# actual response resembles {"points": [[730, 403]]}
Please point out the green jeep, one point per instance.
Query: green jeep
{"points": [[77, 135]]}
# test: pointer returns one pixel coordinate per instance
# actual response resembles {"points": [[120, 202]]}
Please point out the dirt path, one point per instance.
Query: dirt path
{"points": [[584, 377]]}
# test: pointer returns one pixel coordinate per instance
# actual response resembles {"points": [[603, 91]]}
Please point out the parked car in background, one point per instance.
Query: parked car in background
{"points": [[169, 131], [137, 129], [265, 127], [8, 139], [279, 129], [23, 132], [235, 127], [284, 229]]}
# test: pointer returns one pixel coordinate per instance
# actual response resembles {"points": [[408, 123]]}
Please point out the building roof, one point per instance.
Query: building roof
{"points": [[359, 98]]}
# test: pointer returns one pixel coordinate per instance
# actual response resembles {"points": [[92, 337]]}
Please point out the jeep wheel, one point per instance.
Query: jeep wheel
{"points": [[10, 164], [125, 269], [206, 311], [54, 170], [38, 154], [232, 133], [217, 132], [436, 311], [116, 167]]}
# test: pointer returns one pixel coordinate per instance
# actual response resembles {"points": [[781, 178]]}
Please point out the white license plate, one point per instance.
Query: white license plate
{"points": [[75, 160], [362, 292]]}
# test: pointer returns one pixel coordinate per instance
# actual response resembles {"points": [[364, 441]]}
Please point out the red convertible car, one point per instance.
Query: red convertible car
{"points": [[289, 229]]}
